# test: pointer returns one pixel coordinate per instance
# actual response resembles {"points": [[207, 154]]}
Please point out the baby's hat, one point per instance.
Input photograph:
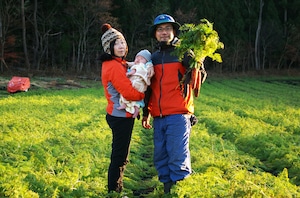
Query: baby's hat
{"points": [[145, 53]]}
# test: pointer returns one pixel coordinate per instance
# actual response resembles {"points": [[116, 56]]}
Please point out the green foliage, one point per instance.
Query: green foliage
{"points": [[56, 143], [240, 183], [202, 39], [48, 138]]}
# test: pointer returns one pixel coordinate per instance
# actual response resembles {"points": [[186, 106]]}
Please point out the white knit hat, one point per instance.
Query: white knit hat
{"points": [[109, 34], [145, 53]]}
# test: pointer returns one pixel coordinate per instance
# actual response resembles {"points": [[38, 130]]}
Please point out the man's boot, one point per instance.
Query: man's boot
{"points": [[168, 186]]}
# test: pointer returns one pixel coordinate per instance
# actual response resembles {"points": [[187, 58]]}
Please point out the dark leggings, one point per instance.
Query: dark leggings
{"points": [[121, 136]]}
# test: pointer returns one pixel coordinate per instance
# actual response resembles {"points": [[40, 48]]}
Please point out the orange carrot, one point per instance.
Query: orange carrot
{"points": [[197, 83], [194, 78]]}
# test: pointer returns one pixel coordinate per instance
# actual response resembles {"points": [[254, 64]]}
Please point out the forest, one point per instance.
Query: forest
{"points": [[39, 37]]}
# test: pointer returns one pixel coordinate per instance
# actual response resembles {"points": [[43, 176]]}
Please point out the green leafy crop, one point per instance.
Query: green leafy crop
{"points": [[56, 143], [202, 39]]}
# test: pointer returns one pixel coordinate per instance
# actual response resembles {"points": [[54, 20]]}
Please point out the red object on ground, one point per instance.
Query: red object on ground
{"points": [[18, 84]]}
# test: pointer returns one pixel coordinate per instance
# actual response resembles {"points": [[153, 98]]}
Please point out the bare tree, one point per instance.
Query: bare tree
{"points": [[9, 12], [43, 25], [2, 46], [85, 15], [257, 39], [36, 47], [291, 51], [24, 35]]}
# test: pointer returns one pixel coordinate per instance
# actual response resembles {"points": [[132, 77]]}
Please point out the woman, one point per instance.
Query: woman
{"points": [[115, 83]]}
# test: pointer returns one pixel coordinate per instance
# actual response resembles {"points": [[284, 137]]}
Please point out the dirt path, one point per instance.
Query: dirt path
{"points": [[48, 83]]}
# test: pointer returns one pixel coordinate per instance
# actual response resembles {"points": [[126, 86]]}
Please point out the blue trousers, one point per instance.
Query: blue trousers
{"points": [[171, 147]]}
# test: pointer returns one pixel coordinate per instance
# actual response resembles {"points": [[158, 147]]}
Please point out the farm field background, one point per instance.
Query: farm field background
{"points": [[56, 143]]}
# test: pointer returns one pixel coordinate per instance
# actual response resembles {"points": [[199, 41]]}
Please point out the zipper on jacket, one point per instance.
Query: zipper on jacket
{"points": [[160, 82]]}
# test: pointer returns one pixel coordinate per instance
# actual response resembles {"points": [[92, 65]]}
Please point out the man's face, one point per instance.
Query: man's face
{"points": [[164, 32]]}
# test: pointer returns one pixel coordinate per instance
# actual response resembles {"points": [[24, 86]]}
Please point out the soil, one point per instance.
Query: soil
{"points": [[51, 83]]}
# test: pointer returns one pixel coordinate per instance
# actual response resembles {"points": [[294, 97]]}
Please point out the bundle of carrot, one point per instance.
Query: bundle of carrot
{"points": [[200, 41]]}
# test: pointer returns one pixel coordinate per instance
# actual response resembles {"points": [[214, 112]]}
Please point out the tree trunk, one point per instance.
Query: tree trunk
{"points": [[24, 35], [36, 45], [257, 39], [2, 46]]}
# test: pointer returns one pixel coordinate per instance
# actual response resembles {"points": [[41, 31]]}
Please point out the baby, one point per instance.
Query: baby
{"points": [[140, 72]]}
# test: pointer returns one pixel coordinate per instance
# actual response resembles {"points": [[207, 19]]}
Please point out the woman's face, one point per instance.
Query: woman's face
{"points": [[120, 47], [164, 32]]}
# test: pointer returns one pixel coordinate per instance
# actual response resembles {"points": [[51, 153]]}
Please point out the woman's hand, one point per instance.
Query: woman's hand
{"points": [[130, 64]]}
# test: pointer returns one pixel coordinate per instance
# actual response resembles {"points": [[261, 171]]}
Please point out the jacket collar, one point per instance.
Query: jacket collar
{"points": [[165, 45], [120, 60]]}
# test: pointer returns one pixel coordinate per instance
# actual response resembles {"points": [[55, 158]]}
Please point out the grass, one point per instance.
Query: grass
{"points": [[56, 143]]}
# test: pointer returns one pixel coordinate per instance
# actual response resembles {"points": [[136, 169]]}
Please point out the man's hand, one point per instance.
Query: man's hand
{"points": [[146, 122], [150, 69]]}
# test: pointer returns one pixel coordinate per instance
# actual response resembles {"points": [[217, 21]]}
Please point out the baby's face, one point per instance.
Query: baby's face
{"points": [[140, 59]]}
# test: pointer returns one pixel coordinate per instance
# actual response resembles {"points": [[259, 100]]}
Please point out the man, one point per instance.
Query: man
{"points": [[170, 105]]}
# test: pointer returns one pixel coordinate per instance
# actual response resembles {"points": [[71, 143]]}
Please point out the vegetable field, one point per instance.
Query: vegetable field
{"points": [[56, 143]]}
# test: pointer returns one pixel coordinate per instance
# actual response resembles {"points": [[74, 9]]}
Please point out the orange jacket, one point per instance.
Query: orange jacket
{"points": [[166, 96], [115, 82]]}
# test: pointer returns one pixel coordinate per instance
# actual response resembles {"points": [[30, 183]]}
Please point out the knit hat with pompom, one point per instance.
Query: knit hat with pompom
{"points": [[109, 34]]}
